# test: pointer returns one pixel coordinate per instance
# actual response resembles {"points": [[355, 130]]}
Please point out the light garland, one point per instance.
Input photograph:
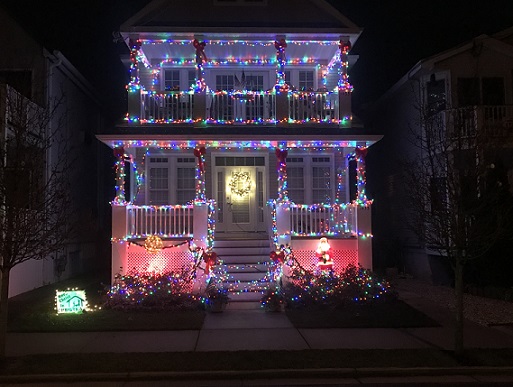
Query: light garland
{"points": [[240, 184]]}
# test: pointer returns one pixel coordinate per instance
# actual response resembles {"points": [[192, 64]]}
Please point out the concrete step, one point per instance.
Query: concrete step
{"points": [[245, 297], [242, 250], [232, 243], [238, 267], [244, 259], [245, 277], [245, 286]]}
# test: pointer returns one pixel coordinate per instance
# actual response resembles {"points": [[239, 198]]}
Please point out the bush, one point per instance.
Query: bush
{"points": [[353, 284], [150, 291]]}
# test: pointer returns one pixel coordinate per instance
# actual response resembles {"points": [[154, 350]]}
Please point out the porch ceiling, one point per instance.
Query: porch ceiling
{"points": [[222, 50]]}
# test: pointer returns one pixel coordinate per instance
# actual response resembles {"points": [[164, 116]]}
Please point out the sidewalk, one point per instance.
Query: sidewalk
{"points": [[236, 330]]}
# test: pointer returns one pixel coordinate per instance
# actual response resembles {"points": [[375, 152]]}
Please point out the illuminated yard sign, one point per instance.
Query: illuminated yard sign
{"points": [[71, 301]]}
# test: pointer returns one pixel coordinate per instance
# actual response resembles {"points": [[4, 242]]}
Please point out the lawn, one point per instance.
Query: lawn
{"points": [[34, 312]]}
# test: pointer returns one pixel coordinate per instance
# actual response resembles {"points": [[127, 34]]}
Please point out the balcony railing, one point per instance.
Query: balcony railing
{"points": [[245, 107], [329, 220], [166, 221], [490, 120]]}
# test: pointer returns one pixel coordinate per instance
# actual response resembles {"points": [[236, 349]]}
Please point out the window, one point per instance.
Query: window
{"points": [[309, 179], [468, 92], [306, 80], [493, 91], [172, 180], [159, 185], [435, 95], [255, 82], [224, 82], [191, 78], [172, 80], [296, 184]]}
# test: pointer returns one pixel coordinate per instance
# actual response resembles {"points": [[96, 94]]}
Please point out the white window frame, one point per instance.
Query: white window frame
{"points": [[268, 74], [172, 165], [307, 164], [183, 73]]}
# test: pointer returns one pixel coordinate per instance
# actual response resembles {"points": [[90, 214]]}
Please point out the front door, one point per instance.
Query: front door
{"points": [[240, 193]]}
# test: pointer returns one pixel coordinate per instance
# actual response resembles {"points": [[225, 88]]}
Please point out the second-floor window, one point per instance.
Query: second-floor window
{"points": [[306, 80], [225, 82], [172, 80], [477, 91], [436, 97]]}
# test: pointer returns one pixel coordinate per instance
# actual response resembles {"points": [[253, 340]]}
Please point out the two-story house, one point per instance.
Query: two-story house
{"points": [[465, 95], [44, 94], [239, 138]]}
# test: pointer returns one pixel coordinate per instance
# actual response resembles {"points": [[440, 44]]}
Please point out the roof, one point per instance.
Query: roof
{"points": [[271, 16]]}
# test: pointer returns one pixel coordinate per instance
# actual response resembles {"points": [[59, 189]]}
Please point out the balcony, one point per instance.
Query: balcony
{"points": [[240, 108], [492, 121]]}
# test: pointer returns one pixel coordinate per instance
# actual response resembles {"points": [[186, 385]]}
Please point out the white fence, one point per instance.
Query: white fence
{"points": [[167, 221], [334, 220]]}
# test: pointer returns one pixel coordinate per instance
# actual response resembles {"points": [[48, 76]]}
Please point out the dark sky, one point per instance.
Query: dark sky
{"points": [[397, 33]]}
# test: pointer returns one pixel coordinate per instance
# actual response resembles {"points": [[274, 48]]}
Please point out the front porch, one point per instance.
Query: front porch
{"points": [[228, 208]]}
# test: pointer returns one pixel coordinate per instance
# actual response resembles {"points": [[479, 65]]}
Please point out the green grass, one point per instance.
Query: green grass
{"points": [[390, 314], [34, 312]]}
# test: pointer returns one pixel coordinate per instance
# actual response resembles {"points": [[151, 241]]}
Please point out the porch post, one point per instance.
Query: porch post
{"points": [[134, 87], [364, 230], [200, 224], [283, 224], [361, 196], [119, 153], [119, 243], [344, 87]]}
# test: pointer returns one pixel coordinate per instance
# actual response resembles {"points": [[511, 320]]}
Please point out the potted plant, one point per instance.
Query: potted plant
{"points": [[216, 298], [272, 300]]}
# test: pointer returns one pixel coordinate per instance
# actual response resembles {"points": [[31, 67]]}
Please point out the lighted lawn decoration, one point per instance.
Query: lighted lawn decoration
{"points": [[325, 261], [70, 301]]}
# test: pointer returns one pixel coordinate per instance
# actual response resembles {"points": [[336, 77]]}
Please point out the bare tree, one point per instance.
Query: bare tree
{"points": [[34, 186], [456, 205]]}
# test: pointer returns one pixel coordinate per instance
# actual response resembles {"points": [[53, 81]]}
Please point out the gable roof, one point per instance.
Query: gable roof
{"points": [[272, 16]]}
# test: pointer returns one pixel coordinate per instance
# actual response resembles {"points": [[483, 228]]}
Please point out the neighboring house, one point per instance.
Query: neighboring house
{"points": [[462, 91], [239, 138], [28, 72]]}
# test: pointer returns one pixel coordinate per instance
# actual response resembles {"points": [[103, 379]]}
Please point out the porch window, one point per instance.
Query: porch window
{"points": [[306, 80], [159, 185], [185, 180], [171, 80], [309, 179], [255, 82], [225, 82], [191, 78], [321, 179], [172, 180]]}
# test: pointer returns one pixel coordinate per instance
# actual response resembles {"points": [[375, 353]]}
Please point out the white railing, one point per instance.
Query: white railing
{"points": [[334, 220], [169, 106], [313, 106], [497, 120], [243, 107], [166, 221]]}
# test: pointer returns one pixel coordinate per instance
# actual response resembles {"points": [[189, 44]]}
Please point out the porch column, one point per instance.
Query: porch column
{"points": [[200, 174], [361, 196], [344, 87], [200, 224], [283, 224], [134, 87], [341, 174], [280, 44], [364, 230], [119, 243], [119, 153]]}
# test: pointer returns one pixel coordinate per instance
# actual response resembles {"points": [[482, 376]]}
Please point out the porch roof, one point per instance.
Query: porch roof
{"points": [[232, 140]]}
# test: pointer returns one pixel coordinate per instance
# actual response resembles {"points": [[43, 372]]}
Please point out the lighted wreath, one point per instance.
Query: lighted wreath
{"points": [[240, 183], [153, 244]]}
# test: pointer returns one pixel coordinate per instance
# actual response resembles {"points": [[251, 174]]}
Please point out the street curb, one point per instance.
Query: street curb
{"points": [[320, 373]]}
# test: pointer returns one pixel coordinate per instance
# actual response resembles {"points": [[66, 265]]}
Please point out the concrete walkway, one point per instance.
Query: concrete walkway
{"points": [[235, 330]]}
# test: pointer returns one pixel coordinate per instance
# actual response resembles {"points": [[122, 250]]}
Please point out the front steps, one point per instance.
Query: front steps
{"points": [[246, 262]]}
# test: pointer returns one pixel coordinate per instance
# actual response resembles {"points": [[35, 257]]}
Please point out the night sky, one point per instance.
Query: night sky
{"points": [[397, 34]]}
